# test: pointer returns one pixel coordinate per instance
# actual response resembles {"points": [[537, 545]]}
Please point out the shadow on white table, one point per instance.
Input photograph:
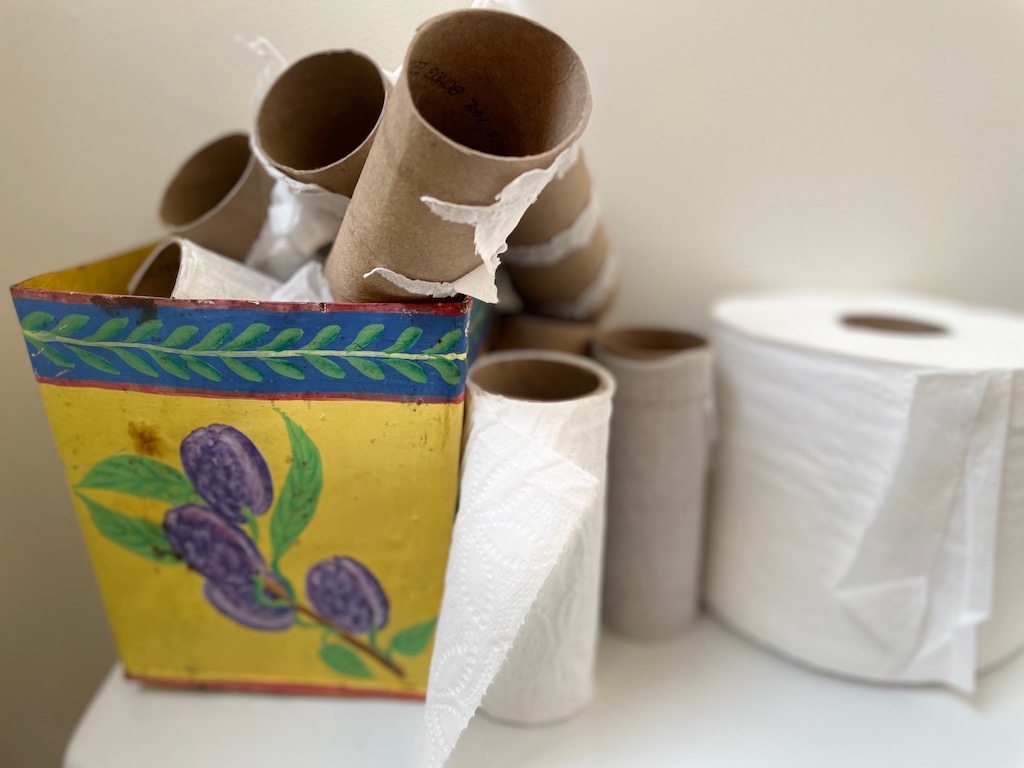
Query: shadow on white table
{"points": [[706, 700]]}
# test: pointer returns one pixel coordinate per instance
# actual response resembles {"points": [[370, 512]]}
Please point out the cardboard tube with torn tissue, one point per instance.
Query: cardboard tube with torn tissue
{"points": [[180, 269], [218, 199], [316, 123], [657, 471], [558, 258], [485, 113], [524, 331]]}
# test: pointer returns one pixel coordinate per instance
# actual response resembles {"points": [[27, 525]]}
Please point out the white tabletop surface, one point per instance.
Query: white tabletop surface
{"points": [[705, 700]]}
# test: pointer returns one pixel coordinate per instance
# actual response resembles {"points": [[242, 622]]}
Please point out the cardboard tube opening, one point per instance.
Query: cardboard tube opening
{"points": [[529, 378], [470, 80], [648, 343], [892, 324], [205, 180], [160, 277], [320, 110]]}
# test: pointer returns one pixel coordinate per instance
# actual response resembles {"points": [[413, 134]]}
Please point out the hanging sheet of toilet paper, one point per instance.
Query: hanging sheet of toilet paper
{"points": [[519, 618], [869, 496], [303, 219]]}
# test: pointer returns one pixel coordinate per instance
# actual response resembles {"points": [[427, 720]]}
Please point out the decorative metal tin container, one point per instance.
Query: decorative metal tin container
{"points": [[266, 490]]}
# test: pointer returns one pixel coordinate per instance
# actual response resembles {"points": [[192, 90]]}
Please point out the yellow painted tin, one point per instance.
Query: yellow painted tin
{"points": [[266, 490]]}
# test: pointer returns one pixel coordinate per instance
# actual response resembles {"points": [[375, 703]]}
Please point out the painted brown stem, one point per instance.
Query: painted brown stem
{"points": [[281, 593]]}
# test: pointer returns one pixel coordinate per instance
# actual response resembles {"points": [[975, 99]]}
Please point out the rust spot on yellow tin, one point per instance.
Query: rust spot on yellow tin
{"points": [[146, 439]]}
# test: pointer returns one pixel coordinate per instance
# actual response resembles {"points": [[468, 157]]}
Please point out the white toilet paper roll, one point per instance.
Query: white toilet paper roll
{"points": [[519, 618], [869, 496], [179, 269], [657, 471]]}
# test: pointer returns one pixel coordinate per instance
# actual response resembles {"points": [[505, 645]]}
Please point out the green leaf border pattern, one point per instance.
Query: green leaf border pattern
{"points": [[250, 353]]}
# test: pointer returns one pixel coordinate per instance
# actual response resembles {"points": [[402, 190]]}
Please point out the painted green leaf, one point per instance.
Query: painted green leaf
{"points": [[286, 369], [447, 343], [145, 331], [449, 371], [242, 369], [136, 362], [408, 369], [344, 660], [69, 325], [140, 476], [180, 336], [203, 368], [36, 321], [56, 357], [250, 335], [170, 364], [283, 340], [326, 335], [413, 640], [298, 498], [109, 329], [139, 536], [368, 368], [217, 336], [366, 337], [406, 339], [94, 361], [325, 366]]}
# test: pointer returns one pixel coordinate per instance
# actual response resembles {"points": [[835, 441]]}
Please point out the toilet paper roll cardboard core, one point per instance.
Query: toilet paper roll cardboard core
{"points": [[525, 331], [159, 277], [648, 343], [317, 121], [219, 197], [536, 379], [483, 98]]}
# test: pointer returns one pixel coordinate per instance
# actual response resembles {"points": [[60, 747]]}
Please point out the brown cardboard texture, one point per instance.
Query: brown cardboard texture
{"points": [[647, 343], [219, 197], [525, 331], [657, 468], [484, 96], [317, 121], [551, 284]]}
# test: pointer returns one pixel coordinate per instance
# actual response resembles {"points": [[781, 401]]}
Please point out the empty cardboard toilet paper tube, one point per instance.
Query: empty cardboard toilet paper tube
{"points": [[524, 331], [868, 514], [317, 121], [519, 617], [657, 472], [218, 199], [485, 113], [558, 257], [180, 269]]}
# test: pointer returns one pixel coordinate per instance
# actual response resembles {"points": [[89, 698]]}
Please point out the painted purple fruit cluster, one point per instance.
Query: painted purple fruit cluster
{"points": [[345, 592], [211, 547], [230, 474], [228, 471]]}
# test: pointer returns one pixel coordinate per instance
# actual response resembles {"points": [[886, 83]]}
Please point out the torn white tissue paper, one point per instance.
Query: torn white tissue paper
{"points": [[492, 224], [520, 610], [307, 284], [867, 518]]}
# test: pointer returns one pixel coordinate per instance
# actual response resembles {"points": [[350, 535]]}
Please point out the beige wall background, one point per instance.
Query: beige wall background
{"points": [[737, 144]]}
